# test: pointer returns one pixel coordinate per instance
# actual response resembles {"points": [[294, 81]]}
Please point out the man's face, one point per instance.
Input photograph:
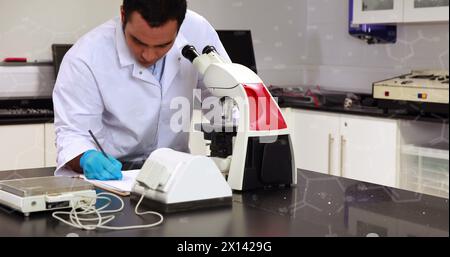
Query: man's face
{"points": [[149, 44]]}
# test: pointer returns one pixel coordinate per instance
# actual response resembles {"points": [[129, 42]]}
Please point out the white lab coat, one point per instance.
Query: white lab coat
{"points": [[101, 87]]}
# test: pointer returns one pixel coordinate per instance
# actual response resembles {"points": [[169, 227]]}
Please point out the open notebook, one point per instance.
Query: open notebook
{"points": [[122, 187]]}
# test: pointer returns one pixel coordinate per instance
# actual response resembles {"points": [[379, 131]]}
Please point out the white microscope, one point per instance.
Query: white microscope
{"points": [[258, 152]]}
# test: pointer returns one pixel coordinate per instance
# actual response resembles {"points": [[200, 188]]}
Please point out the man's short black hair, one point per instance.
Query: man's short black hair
{"points": [[156, 12]]}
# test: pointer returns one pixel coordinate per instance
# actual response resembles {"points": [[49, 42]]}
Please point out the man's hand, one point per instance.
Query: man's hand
{"points": [[96, 166]]}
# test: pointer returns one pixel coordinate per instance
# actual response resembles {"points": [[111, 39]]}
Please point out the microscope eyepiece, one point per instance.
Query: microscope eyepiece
{"points": [[209, 49], [190, 53]]}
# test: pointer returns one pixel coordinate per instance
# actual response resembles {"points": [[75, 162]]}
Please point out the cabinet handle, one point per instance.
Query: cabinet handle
{"points": [[343, 143], [330, 152]]}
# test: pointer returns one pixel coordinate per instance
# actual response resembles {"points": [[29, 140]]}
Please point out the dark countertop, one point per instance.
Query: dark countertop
{"points": [[27, 110], [370, 112], [30, 63], [23, 121], [366, 111], [362, 104], [330, 101], [320, 205]]}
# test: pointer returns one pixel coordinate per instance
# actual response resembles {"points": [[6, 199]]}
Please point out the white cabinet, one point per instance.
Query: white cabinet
{"points": [[369, 149], [50, 146], [315, 140], [399, 11], [377, 11], [27, 146], [21, 146], [356, 147], [426, 10]]}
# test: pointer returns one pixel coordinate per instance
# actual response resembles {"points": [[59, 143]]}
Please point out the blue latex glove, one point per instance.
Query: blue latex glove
{"points": [[96, 166]]}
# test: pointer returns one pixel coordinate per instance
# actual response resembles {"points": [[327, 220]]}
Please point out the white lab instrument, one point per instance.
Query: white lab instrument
{"points": [[175, 181], [260, 147], [29, 195], [56, 194], [421, 92], [426, 86]]}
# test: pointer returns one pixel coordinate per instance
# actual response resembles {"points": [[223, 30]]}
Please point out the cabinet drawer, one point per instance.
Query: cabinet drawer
{"points": [[22, 147], [369, 149]]}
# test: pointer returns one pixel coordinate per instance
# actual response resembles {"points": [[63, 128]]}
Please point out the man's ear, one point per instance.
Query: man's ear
{"points": [[122, 14]]}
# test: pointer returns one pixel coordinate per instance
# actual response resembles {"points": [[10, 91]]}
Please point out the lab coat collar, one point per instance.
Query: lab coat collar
{"points": [[125, 56], [173, 62], [172, 65]]}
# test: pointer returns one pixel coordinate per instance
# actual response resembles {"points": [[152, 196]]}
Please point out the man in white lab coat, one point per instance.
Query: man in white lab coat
{"points": [[119, 80]]}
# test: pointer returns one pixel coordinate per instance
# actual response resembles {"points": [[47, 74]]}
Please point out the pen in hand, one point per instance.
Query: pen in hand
{"points": [[98, 169], [98, 144]]}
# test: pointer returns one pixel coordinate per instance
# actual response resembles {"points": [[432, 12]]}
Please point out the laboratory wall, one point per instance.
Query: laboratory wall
{"points": [[297, 42], [28, 28], [306, 42]]}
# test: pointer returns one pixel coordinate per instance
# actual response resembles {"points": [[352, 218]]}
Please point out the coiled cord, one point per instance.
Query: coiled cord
{"points": [[81, 214]]}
